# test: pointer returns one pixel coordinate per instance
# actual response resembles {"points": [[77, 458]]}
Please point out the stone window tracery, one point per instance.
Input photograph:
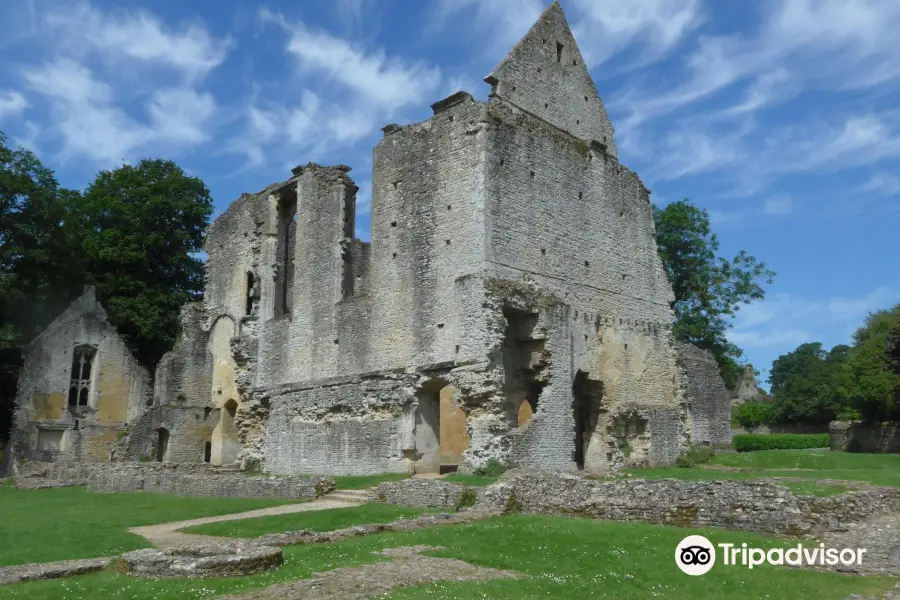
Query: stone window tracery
{"points": [[83, 358]]}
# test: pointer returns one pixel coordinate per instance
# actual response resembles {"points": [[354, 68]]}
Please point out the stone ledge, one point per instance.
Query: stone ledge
{"points": [[52, 570], [223, 559]]}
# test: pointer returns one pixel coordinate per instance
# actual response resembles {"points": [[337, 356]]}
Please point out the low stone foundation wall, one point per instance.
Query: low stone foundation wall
{"points": [[182, 480], [861, 436], [761, 506], [223, 559]]}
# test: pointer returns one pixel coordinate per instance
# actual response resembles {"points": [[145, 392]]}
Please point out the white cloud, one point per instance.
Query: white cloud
{"points": [[179, 115], [834, 44], [12, 103], [359, 89], [778, 205], [882, 183], [605, 28], [120, 82], [788, 320], [136, 36], [507, 23]]}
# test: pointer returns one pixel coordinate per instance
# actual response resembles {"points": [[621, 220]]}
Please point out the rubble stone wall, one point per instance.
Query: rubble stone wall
{"points": [[710, 405], [862, 436]]}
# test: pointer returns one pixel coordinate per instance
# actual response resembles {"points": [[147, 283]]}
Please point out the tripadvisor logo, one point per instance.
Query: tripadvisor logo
{"points": [[696, 555]]}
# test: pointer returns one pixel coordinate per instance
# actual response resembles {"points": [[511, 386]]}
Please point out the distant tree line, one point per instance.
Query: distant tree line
{"points": [[134, 233], [815, 386]]}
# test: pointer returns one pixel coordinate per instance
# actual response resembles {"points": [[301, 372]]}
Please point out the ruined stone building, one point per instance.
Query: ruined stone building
{"points": [[510, 305], [79, 387]]}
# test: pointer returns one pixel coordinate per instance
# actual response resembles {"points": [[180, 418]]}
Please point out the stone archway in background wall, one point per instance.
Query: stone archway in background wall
{"points": [[454, 437], [441, 428], [225, 442]]}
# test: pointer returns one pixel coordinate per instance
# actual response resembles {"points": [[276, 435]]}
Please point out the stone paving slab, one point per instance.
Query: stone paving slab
{"points": [[52, 570]]}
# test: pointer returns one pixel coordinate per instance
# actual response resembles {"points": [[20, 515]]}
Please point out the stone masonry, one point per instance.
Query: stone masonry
{"points": [[511, 304]]}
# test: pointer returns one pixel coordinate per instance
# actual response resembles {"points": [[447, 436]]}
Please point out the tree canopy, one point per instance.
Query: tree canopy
{"points": [[861, 380], [709, 289], [134, 233]]}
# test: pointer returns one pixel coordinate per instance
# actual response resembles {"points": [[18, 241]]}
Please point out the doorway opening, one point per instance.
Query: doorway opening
{"points": [[162, 445], [587, 397]]}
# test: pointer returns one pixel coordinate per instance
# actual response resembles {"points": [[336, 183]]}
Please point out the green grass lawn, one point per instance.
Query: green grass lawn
{"points": [[320, 520], [63, 523], [819, 463], [563, 559], [477, 480], [362, 482]]}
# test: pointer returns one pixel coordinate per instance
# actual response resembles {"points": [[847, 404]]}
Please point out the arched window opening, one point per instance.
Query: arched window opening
{"points": [[252, 295], [83, 357]]}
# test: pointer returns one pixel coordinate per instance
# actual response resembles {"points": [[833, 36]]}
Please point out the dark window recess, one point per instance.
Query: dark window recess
{"points": [[207, 452], [559, 49], [80, 381]]}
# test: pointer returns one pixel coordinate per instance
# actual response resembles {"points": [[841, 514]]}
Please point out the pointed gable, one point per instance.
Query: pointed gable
{"points": [[545, 75]]}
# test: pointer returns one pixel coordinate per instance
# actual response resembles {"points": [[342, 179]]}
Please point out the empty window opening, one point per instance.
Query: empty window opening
{"points": [[394, 255], [532, 174], [587, 263], [574, 62], [206, 412], [286, 247], [543, 251], [580, 195], [393, 223], [546, 105], [231, 408], [440, 325], [162, 444], [502, 162], [623, 276], [587, 403], [80, 381], [252, 293], [449, 206], [585, 98], [559, 49], [539, 69], [577, 122], [336, 341], [525, 365], [207, 452]]}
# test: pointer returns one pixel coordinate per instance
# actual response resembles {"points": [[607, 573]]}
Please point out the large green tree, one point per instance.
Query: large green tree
{"points": [[147, 223], [41, 266], [871, 381], [807, 385], [709, 289]]}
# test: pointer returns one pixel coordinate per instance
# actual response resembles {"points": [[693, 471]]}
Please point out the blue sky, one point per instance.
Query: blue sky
{"points": [[778, 117]]}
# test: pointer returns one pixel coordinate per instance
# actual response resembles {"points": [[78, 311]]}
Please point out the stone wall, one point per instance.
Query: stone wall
{"points": [[862, 436], [182, 480], [761, 506], [52, 424], [710, 405]]}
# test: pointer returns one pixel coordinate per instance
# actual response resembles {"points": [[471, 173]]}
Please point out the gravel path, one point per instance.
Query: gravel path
{"points": [[165, 535]]}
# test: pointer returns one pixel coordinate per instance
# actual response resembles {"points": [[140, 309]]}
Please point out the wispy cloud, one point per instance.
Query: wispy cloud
{"points": [[12, 103], [881, 183]]}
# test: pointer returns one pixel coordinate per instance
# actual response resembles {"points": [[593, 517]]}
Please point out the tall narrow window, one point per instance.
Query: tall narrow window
{"points": [[251, 292], [559, 49], [80, 382]]}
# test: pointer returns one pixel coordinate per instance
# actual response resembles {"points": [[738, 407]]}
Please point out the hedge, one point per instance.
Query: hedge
{"points": [[780, 441]]}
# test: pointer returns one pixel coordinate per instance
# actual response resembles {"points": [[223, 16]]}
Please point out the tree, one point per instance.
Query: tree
{"points": [[147, 222], [708, 289], [871, 381], [40, 260], [806, 384]]}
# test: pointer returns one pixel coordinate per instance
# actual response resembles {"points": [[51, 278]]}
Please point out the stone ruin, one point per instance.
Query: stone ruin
{"points": [[511, 305]]}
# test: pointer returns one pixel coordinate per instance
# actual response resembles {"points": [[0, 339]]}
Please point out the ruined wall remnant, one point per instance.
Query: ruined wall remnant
{"points": [[710, 405], [510, 306], [79, 388]]}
